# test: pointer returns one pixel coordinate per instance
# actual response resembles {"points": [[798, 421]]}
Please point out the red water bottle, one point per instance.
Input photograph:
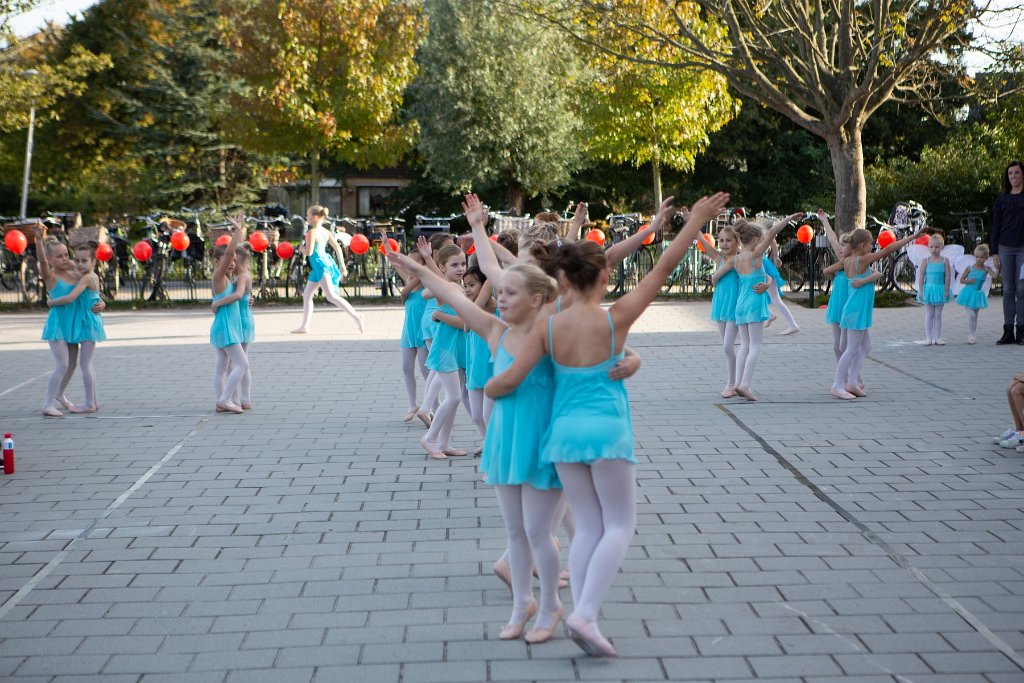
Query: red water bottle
{"points": [[8, 454]]}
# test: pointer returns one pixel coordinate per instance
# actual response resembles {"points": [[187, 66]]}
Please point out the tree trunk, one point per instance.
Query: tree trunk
{"points": [[656, 171], [516, 198], [314, 181], [847, 153]]}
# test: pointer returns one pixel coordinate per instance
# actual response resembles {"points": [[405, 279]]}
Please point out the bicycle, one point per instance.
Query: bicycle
{"points": [[267, 288], [635, 266], [155, 268], [794, 255], [971, 231], [20, 272]]}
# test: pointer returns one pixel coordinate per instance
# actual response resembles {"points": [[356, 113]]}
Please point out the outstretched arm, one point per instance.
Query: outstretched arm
{"points": [[769, 237], [892, 248], [709, 249], [617, 252], [476, 214], [833, 240]]}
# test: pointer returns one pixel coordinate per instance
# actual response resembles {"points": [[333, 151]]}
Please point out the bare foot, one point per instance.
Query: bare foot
{"points": [[300, 330], [842, 393], [52, 412], [856, 391], [746, 393]]}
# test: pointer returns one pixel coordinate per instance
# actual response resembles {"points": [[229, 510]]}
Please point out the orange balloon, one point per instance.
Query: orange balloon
{"points": [[710, 238], [259, 242], [180, 241], [16, 241], [223, 240], [359, 244], [595, 235], [805, 234]]}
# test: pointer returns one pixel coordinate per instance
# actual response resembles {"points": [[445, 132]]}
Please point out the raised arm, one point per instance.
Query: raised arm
{"points": [[579, 219], [710, 250], [476, 214], [833, 239], [769, 237], [617, 252], [423, 246], [627, 309], [237, 231], [892, 248], [478, 320], [49, 277], [528, 355]]}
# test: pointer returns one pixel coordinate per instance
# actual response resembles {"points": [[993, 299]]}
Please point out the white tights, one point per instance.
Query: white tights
{"points": [[88, 349], [528, 513], [972, 322], [328, 289], [932, 322], [838, 341], [441, 428], [780, 306], [728, 331], [72, 362], [59, 350], [858, 346], [230, 361], [751, 340], [602, 497], [411, 358], [480, 405]]}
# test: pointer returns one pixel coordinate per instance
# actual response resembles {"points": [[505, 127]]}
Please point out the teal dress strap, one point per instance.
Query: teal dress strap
{"points": [[551, 339], [558, 304], [612, 328]]}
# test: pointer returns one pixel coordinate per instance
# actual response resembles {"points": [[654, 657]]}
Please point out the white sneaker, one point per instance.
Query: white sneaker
{"points": [[1013, 441], [1020, 449], [1005, 435]]}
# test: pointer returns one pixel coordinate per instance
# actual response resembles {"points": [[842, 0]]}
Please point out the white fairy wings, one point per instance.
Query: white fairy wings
{"points": [[918, 254], [966, 262]]}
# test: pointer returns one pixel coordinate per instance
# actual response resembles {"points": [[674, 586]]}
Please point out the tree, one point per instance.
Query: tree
{"points": [[827, 66], [639, 113], [495, 102], [322, 76]]}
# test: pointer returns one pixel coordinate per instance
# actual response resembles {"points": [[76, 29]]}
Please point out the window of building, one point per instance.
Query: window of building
{"points": [[373, 200]]}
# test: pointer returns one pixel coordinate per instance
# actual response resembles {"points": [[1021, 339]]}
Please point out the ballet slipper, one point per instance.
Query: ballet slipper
{"points": [[83, 409], [503, 571], [939, 342], [856, 391], [728, 392], [301, 330], [478, 452], [425, 418], [228, 407], [455, 452], [842, 393], [64, 401], [563, 576], [431, 450], [788, 331], [245, 406], [770, 321], [971, 341], [52, 412], [746, 393], [411, 414], [587, 636], [512, 631], [541, 634], [924, 342]]}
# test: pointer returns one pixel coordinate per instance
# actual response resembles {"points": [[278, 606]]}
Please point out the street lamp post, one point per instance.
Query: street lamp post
{"points": [[28, 73]]}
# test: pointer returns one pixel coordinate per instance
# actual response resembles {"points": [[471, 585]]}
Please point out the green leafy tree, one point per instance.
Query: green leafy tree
{"points": [[322, 76], [495, 102]]}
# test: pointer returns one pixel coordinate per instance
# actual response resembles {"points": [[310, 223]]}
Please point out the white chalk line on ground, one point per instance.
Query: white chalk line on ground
{"points": [[45, 571], [25, 383], [895, 555]]}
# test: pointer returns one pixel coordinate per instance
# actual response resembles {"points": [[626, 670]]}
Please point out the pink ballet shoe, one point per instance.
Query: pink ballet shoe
{"points": [[512, 631], [432, 450], [83, 409], [478, 452], [411, 414], [746, 393], [563, 578], [842, 393], [788, 331], [455, 452], [51, 412], [228, 407], [542, 634], [425, 418], [728, 392], [770, 321], [68, 405], [503, 572], [971, 341], [245, 406], [856, 391], [300, 330], [588, 637]]}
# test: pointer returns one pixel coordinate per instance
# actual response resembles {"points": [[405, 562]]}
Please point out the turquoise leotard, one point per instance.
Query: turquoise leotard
{"points": [[590, 416], [87, 326], [321, 263], [752, 307], [59, 319], [723, 301], [428, 326], [934, 289], [837, 299], [412, 327], [860, 305], [479, 365], [448, 349], [972, 295], [227, 321], [247, 321], [519, 422]]}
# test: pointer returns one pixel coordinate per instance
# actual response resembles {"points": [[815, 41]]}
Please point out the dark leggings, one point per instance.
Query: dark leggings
{"points": [[1011, 259]]}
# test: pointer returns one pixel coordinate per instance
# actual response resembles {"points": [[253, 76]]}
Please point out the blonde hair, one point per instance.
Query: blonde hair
{"points": [[844, 238], [243, 253], [747, 231], [981, 251], [536, 281], [319, 211], [937, 236], [859, 237], [52, 242], [446, 252], [728, 230]]}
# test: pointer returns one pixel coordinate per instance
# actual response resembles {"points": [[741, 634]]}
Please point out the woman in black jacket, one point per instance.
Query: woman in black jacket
{"points": [[1007, 242]]}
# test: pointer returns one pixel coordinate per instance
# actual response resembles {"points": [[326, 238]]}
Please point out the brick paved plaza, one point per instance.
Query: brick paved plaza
{"points": [[801, 538]]}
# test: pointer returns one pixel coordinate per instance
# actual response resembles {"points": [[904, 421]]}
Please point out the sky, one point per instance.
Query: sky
{"points": [[1008, 25]]}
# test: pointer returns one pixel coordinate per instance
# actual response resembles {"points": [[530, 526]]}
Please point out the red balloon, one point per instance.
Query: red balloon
{"points": [[922, 240], [359, 244], [180, 241], [494, 238], [16, 241], [710, 238], [259, 242], [142, 251], [223, 240], [650, 238], [285, 250], [394, 246], [805, 234], [885, 238], [595, 236], [472, 249], [104, 252]]}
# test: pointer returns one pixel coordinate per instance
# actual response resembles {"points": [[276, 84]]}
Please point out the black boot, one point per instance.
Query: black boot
{"points": [[1020, 334], [1007, 337]]}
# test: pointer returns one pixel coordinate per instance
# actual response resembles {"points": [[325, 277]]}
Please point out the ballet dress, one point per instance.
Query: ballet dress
{"points": [[837, 300], [519, 422], [412, 328], [972, 295], [448, 350], [751, 307], [248, 323], [321, 263], [934, 290], [428, 326], [773, 272], [723, 301], [59, 319], [86, 326], [590, 416], [860, 304], [227, 321], [479, 364]]}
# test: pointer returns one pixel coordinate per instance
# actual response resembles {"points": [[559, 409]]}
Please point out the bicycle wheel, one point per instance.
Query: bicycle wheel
{"points": [[31, 285], [297, 273], [823, 260], [110, 281], [904, 275], [793, 272], [644, 265]]}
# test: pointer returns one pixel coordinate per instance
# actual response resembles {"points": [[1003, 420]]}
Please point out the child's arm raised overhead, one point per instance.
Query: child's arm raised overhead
{"points": [[423, 246], [49, 277], [769, 237], [627, 309], [579, 219], [868, 259], [709, 249], [617, 252], [478, 320], [220, 273], [476, 214], [833, 240], [484, 298], [529, 354]]}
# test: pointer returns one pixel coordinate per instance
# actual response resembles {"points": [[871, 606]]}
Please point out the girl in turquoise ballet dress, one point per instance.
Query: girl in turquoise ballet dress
{"points": [[226, 333], [412, 343], [479, 362], [60, 277], [324, 273], [934, 285], [974, 295], [241, 296], [723, 301]]}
